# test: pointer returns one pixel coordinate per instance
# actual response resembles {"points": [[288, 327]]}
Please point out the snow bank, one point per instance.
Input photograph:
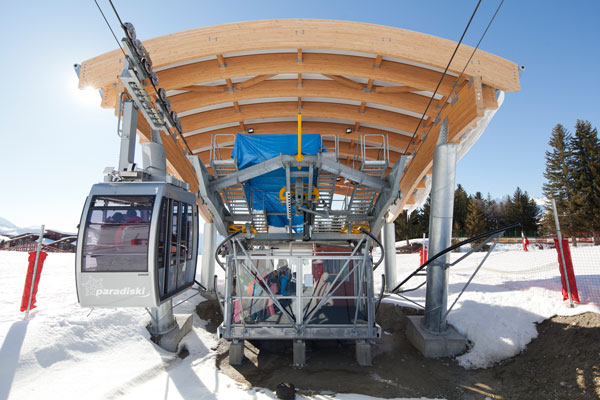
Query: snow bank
{"points": [[499, 310]]}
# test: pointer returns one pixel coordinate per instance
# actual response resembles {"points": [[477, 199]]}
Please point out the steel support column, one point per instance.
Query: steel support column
{"points": [[389, 244], [207, 268], [128, 134], [163, 320], [440, 228]]}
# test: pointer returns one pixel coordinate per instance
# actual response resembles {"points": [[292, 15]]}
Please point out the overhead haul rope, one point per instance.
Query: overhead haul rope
{"points": [[449, 63], [109, 27], [189, 150]]}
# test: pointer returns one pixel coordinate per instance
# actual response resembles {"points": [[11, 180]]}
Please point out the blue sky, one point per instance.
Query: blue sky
{"points": [[56, 140]]}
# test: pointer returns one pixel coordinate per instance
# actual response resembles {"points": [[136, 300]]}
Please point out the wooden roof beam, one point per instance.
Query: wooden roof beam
{"points": [[345, 81], [462, 117], [289, 88], [204, 89], [378, 61], [314, 63], [252, 81], [397, 89], [202, 140], [388, 119], [344, 36]]}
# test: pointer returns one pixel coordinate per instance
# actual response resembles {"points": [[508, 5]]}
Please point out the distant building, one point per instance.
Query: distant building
{"points": [[53, 241]]}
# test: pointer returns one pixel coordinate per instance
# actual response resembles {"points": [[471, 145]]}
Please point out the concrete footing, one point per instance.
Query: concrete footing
{"points": [[170, 340], [299, 353], [434, 345], [364, 357], [236, 352], [208, 294]]}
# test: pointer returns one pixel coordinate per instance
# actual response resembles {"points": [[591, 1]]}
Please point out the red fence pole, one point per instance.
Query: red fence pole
{"points": [[568, 267], [27, 290]]}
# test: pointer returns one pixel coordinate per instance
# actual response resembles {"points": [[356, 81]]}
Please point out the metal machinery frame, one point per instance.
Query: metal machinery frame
{"points": [[336, 302]]}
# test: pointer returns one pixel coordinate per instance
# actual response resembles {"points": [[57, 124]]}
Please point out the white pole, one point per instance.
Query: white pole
{"points": [[562, 254], [37, 258], [389, 244]]}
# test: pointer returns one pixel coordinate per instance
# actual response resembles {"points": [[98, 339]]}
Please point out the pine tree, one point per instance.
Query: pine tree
{"points": [[586, 177], [461, 205], [560, 180], [491, 211], [475, 223], [559, 175], [522, 209]]}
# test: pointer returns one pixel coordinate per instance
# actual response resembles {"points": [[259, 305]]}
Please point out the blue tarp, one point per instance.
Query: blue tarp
{"points": [[249, 150]]}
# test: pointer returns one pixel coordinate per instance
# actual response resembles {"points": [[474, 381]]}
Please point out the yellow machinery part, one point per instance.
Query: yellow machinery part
{"points": [[239, 227], [315, 194], [356, 228]]}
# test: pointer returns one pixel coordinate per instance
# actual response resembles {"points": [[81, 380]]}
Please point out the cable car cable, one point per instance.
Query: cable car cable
{"points": [[109, 27], [172, 120], [442, 77], [450, 62]]}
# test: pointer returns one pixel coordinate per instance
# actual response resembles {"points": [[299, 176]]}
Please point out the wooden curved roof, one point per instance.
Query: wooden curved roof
{"points": [[259, 74]]}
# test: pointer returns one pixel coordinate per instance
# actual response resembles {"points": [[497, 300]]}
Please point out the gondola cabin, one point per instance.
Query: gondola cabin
{"points": [[137, 244]]}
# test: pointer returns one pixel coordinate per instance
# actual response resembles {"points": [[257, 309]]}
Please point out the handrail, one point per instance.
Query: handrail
{"points": [[453, 247], [215, 146]]}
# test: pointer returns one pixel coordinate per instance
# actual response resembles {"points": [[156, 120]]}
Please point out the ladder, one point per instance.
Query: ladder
{"points": [[363, 197], [234, 197]]}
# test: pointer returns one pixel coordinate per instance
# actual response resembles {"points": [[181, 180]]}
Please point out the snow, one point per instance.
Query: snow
{"points": [[512, 292], [72, 352]]}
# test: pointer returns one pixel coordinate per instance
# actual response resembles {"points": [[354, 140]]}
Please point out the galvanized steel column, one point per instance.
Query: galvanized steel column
{"points": [[207, 269], [440, 230], [389, 245]]}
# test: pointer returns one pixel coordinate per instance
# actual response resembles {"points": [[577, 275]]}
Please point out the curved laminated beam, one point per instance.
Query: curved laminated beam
{"points": [[182, 77], [203, 141], [257, 36], [462, 117], [310, 88], [336, 111]]}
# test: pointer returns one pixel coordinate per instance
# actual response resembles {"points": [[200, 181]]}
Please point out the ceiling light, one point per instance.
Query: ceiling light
{"points": [[348, 130], [250, 130]]}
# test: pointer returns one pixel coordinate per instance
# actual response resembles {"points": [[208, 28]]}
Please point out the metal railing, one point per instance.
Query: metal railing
{"points": [[216, 144], [486, 237]]}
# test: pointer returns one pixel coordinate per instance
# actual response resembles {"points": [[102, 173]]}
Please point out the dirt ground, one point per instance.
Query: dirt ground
{"points": [[562, 363]]}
